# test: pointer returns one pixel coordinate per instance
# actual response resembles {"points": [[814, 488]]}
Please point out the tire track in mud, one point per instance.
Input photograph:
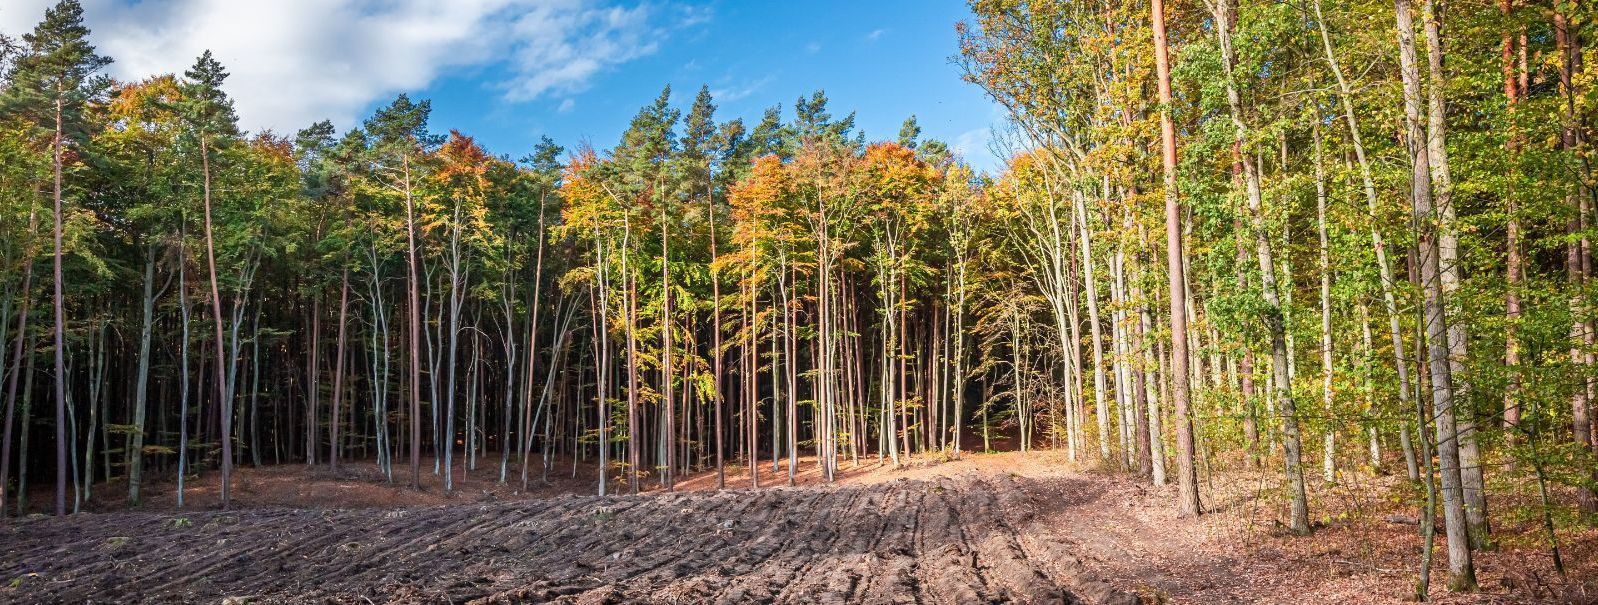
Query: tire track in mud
{"points": [[948, 569], [822, 549], [951, 540], [781, 543]]}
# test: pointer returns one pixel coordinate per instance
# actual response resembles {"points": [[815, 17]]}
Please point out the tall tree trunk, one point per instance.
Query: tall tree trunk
{"points": [[60, 333], [1101, 407], [414, 314], [1461, 572], [223, 399], [1470, 467], [313, 377], [1186, 475], [1514, 273], [716, 398], [630, 312], [141, 395], [338, 371], [457, 283], [532, 350], [1328, 446], [183, 364], [670, 433], [602, 369], [1570, 141]]}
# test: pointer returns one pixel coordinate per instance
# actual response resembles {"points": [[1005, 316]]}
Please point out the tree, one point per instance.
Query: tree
{"points": [[1461, 572], [208, 115], [399, 136], [1187, 478], [52, 82]]}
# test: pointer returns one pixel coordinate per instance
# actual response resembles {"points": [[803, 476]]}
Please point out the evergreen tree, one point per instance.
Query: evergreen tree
{"points": [[52, 82]]}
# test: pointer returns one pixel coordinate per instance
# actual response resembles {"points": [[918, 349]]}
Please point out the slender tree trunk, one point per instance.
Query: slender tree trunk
{"points": [[1514, 273], [313, 376], [338, 371], [135, 447], [183, 365], [791, 375], [1101, 407], [1470, 467], [255, 388], [1245, 370], [1461, 571], [60, 333], [414, 313], [532, 350], [716, 398], [1186, 475], [1151, 367], [457, 283], [1328, 446], [670, 433], [630, 312], [602, 370], [1570, 140], [223, 398]]}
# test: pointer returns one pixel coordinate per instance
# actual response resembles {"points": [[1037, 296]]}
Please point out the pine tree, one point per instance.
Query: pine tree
{"points": [[52, 82]]}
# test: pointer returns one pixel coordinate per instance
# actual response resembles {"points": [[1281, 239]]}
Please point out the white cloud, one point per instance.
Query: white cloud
{"points": [[976, 147], [566, 105], [875, 34], [297, 61], [741, 90], [559, 46]]}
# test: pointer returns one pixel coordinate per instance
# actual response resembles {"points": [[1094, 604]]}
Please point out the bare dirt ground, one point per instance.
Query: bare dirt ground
{"points": [[989, 528]]}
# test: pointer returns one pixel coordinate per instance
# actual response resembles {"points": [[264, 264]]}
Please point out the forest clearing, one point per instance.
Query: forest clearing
{"points": [[1152, 301], [992, 528]]}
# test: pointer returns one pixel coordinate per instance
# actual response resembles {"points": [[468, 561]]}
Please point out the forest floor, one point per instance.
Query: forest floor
{"points": [[1007, 527]]}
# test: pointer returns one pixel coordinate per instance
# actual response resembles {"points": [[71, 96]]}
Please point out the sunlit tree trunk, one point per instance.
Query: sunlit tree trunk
{"points": [[532, 350], [1470, 466], [1514, 274], [1186, 475], [414, 313], [1461, 571], [223, 397], [716, 354], [1328, 446]]}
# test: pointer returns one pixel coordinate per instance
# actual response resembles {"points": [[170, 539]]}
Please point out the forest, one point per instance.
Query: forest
{"points": [[1314, 241]]}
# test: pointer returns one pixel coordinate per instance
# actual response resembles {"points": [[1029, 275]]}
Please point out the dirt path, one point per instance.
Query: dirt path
{"points": [[944, 540]]}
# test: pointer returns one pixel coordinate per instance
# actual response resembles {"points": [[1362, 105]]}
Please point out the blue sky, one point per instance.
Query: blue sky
{"points": [[508, 71], [883, 60]]}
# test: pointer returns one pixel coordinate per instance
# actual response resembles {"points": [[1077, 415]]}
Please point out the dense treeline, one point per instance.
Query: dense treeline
{"points": [[1376, 256], [1387, 212]]}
